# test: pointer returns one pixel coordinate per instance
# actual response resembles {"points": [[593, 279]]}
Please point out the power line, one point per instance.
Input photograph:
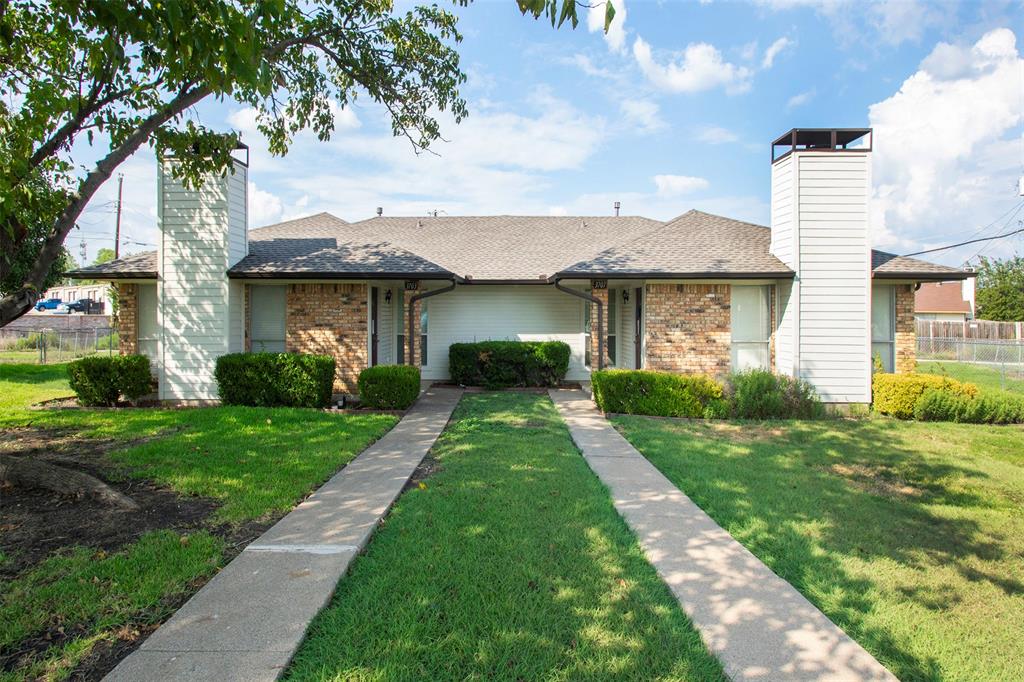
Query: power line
{"points": [[971, 241]]}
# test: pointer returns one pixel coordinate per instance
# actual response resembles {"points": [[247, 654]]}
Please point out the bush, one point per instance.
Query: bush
{"points": [[389, 387], [897, 394], [759, 394], [501, 364], [275, 379], [987, 408], [659, 394], [102, 380]]}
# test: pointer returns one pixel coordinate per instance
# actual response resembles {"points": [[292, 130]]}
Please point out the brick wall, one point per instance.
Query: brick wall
{"points": [[329, 319], [906, 333], [128, 318], [595, 331], [687, 328]]}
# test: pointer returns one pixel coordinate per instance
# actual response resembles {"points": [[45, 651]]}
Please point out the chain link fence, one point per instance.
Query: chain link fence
{"points": [[1001, 360], [50, 346]]}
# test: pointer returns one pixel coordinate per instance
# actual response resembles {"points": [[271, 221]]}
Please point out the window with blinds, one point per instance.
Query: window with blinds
{"points": [[266, 318]]}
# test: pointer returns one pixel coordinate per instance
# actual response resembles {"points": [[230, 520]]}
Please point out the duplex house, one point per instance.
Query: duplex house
{"points": [[700, 293]]}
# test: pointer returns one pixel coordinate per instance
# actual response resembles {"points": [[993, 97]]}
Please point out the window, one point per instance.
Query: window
{"points": [[751, 331], [423, 333], [148, 332], [883, 328], [613, 315], [266, 319]]}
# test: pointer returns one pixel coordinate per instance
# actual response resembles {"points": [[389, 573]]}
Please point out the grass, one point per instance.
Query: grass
{"points": [[985, 377], [257, 462], [909, 536], [508, 563]]}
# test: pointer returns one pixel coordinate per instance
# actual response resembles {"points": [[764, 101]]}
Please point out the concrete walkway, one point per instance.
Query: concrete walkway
{"points": [[248, 621], [758, 625]]}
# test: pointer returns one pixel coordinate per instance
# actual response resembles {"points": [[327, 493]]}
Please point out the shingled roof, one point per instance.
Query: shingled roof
{"points": [[513, 249], [695, 244]]}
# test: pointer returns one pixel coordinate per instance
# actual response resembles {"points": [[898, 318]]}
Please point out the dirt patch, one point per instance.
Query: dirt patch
{"points": [[878, 480], [37, 523], [427, 468]]}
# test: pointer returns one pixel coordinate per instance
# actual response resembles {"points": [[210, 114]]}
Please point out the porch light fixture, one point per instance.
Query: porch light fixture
{"points": [[387, 296], [625, 295]]}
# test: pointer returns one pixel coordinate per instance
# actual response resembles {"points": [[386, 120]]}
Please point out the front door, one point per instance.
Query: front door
{"points": [[374, 318], [638, 317]]}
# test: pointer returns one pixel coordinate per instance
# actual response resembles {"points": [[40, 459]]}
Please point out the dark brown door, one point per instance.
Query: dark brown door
{"points": [[638, 322], [374, 316]]}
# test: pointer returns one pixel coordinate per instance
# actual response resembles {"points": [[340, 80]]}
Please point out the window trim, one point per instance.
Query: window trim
{"points": [[890, 340], [761, 344]]}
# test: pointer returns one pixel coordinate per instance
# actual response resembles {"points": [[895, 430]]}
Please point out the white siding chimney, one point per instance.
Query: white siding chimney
{"points": [[821, 187], [203, 232]]}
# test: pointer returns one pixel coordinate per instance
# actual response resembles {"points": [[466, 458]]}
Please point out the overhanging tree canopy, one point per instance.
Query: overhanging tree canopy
{"points": [[125, 73]]}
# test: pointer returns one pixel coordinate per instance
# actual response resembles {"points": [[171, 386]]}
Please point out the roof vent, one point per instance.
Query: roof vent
{"points": [[618, 205], [380, 211]]}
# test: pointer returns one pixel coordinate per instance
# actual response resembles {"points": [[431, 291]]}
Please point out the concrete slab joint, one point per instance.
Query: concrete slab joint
{"points": [[249, 620], [758, 625]]}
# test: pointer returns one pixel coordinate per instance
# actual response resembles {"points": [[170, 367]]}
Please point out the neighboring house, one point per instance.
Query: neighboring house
{"points": [[945, 301], [99, 292], [699, 293]]}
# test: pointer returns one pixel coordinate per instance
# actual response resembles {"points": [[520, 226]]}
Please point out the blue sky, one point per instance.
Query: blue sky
{"points": [[673, 110]]}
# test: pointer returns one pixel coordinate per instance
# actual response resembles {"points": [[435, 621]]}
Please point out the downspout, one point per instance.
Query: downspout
{"points": [[600, 317], [412, 322]]}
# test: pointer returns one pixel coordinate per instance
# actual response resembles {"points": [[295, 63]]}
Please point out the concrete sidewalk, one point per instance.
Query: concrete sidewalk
{"points": [[758, 625], [248, 621]]}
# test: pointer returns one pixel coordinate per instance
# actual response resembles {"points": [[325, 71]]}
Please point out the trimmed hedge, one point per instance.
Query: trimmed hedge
{"points": [[389, 387], [502, 364], [275, 379], [102, 379], [759, 394], [659, 394], [987, 408], [897, 394]]}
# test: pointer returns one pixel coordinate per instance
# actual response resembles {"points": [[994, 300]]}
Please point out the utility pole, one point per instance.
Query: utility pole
{"points": [[117, 229]]}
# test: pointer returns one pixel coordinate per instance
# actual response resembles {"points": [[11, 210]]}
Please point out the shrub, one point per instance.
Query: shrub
{"points": [[275, 379], [759, 394], [501, 364], [102, 380], [987, 408], [658, 394], [896, 394], [389, 387]]}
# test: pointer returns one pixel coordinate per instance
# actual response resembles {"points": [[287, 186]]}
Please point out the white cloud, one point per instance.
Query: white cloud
{"points": [[774, 50], [800, 99], [587, 66], [616, 35], [674, 185], [642, 115], [892, 21], [699, 67], [265, 208], [717, 135], [946, 142]]}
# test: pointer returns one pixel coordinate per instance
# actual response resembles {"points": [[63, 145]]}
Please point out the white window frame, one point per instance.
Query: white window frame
{"points": [[763, 341], [259, 345], [888, 343]]}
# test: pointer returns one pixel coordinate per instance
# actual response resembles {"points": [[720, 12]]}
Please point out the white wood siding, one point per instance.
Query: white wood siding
{"points": [[513, 312], [201, 313], [785, 323], [386, 325], [627, 332], [831, 320], [782, 211]]}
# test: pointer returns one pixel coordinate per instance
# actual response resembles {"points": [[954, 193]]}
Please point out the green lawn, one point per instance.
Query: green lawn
{"points": [[509, 563], [909, 536], [257, 463], [987, 377]]}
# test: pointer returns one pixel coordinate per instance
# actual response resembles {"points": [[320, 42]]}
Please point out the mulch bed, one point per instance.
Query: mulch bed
{"points": [[36, 524]]}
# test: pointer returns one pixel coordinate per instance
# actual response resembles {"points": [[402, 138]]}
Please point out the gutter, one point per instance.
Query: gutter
{"points": [[674, 275], [601, 331], [412, 309]]}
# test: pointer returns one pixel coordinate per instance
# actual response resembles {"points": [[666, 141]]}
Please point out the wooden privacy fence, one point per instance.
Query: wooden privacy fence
{"points": [[971, 329]]}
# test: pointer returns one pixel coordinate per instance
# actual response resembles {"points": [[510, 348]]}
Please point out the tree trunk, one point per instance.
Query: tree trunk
{"points": [[29, 472]]}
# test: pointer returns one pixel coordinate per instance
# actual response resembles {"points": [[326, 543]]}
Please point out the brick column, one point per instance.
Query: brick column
{"points": [[906, 329], [330, 319], [409, 360], [688, 328], [128, 318], [595, 332]]}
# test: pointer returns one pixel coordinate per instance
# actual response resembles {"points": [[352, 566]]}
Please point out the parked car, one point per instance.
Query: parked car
{"points": [[82, 305], [48, 304]]}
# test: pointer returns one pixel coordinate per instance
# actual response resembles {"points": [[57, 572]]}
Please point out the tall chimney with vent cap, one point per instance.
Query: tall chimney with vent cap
{"points": [[821, 187]]}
